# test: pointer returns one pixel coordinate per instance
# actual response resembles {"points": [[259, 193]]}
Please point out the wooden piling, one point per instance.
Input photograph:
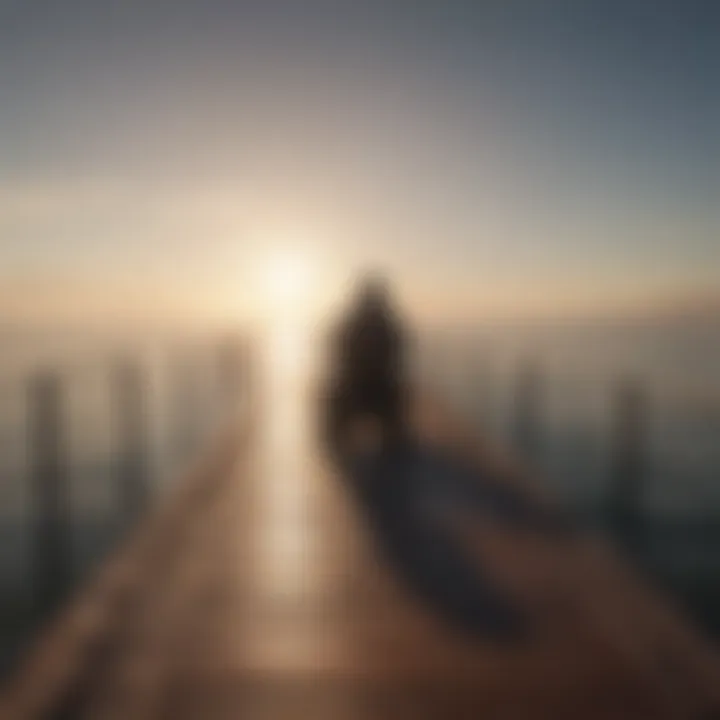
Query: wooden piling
{"points": [[527, 409], [629, 456], [48, 458], [132, 434], [231, 361], [479, 390], [184, 403]]}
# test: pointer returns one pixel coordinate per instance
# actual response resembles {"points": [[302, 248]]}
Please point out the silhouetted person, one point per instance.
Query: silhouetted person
{"points": [[368, 366], [417, 498]]}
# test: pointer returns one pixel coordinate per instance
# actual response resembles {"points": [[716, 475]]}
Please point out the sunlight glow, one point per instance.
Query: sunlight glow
{"points": [[287, 281]]}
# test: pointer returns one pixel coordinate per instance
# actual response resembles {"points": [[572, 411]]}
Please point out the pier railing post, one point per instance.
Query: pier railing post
{"points": [[628, 467], [51, 551], [133, 430], [184, 406], [527, 409], [231, 369], [481, 410]]}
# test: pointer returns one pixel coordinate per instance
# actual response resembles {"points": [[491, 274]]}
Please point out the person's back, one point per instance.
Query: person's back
{"points": [[368, 363], [370, 348]]}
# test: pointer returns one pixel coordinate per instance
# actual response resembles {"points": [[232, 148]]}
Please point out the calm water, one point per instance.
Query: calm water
{"points": [[677, 367]]}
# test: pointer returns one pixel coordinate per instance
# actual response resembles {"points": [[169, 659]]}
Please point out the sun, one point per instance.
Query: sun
{"points": [[288, 287], [288, 282], [287, 277]]}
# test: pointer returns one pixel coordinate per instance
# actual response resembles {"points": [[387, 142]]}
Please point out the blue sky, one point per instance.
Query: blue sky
{"points": [[499, 157]]}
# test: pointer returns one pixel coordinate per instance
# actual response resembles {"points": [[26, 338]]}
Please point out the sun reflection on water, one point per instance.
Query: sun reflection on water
{"points": [[285, 490]]}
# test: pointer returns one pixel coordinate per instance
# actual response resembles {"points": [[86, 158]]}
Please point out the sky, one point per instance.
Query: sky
{"points": [[498, 159]]}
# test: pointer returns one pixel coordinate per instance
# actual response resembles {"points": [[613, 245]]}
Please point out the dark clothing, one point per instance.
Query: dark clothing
{"points": [[368, 372], [369, 349]]}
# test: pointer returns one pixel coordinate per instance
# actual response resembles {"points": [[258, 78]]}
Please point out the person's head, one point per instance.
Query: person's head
{"points": [[374, 291]]}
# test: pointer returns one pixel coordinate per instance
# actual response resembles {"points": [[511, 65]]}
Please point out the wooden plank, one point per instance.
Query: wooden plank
{"points": [[78, 640], [258, 593]]}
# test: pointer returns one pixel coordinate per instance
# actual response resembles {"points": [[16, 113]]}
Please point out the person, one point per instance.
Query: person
{"points": [[400, 487], [368, 367]]}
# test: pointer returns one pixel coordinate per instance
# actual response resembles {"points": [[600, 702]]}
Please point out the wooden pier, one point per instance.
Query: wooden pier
{"points": [[255, 592]]}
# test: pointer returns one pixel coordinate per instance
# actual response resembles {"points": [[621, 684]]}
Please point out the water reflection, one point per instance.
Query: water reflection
{"points": [[284, 488], [290, 573]]}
